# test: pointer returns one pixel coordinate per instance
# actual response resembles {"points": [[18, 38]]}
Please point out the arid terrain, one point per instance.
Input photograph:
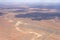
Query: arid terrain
{"points": [[30, 23]]}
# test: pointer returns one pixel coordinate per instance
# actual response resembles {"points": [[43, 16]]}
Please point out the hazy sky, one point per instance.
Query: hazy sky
{"points": [[29, 0]]}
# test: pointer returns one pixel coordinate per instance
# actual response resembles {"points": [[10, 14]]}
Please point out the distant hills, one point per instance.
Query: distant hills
{"points": [[39, 16]]}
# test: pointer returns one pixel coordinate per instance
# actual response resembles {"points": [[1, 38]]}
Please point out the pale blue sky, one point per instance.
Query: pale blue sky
{"points": [[29, 0]]}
